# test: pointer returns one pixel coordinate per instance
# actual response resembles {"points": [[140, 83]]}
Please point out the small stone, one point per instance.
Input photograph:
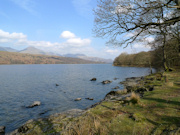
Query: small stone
{"points": [[117, 87], [151, 88], [2, 130], [106, 82], [93, 79], [23, 129], [90, 98], [77, 99], [36, 103]]}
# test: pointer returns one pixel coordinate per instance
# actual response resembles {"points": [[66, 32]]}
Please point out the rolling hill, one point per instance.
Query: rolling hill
{"points": [[21, 58], [7, 49], [33, 50]]}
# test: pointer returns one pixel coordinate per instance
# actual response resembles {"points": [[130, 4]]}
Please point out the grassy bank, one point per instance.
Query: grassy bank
{"points": [[156, 113]]}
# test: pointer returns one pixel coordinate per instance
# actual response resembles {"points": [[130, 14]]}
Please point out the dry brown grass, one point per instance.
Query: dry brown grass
{"points": [[134, 98], [89, 125], [121, 91]]}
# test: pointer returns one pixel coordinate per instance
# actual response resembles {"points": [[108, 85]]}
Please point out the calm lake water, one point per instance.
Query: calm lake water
{"points": [[20, 85]]}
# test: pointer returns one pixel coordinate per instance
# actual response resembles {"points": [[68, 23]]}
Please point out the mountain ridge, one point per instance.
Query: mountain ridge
{"points": [[24, 58], [8, 49], [33, 50]]}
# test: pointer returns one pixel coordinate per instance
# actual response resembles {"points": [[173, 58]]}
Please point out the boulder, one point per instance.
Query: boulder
{"points": [[151, 79], [2, 130], [112, 93], [73, 112], [129, 88], [106, 82], [133, 81], [23, 129], [77, 99], [36, 103], [57, 84], [117, 87], [93, 79], [141, 90], [116, 93], [150, 87], [90, 98]]}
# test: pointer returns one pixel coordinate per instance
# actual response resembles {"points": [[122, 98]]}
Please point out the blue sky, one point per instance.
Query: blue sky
{"points": [[59, 26]]}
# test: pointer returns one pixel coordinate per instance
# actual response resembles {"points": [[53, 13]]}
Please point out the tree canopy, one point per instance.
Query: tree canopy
{"points": [[125, 22], [133, 19]]}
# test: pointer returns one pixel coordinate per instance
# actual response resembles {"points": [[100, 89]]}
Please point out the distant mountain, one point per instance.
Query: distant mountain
{"points": [[95, 59], [24, 58], [7, 49], [74, 55], [32, 50]]}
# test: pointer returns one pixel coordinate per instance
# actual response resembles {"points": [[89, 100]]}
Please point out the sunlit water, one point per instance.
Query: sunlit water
{"points": [[20, 85]]}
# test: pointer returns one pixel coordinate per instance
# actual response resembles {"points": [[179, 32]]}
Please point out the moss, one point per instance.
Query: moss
{"points": [[138, 117]]}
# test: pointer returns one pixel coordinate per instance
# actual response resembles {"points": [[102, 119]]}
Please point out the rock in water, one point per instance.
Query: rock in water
{"points": [[106, 82], [2, 130], [77, 99], [93, 79], [117, 87], [36, 103], [57, 84], [90, 98]]}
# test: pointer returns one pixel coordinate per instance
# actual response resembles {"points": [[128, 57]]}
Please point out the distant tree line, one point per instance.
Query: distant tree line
{"points": [[152, 58]]}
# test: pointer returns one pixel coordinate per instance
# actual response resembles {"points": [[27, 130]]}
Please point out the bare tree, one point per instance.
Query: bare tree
{"points": [[131, 18], [124, 22]]}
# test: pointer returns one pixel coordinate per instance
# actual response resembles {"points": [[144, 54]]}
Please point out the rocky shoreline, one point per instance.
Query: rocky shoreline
{"points": [[132, 85]]}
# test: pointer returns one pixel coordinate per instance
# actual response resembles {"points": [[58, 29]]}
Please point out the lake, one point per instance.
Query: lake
{"points": [[21, 85]]}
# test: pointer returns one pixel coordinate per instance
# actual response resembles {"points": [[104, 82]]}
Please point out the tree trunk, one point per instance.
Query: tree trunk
{"points": [[179, 38], [164, 54]]}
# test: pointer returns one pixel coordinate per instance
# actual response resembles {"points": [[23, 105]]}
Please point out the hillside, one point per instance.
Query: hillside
{"points": [[96, 59], [142, 59], [32, 50], [18, 58], [8, 49], [147, 59], [84, 57]]}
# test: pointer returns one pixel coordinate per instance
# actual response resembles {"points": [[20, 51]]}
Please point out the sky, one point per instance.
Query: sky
{"points": [[59, 26]]}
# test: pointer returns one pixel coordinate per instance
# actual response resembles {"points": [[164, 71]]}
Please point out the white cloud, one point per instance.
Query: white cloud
{"points": [[121, 9], [149, 39], [11, 37], [112, 51], [142, 47], [71, 45], [78, 42], [74, 41], [67, 34]]}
